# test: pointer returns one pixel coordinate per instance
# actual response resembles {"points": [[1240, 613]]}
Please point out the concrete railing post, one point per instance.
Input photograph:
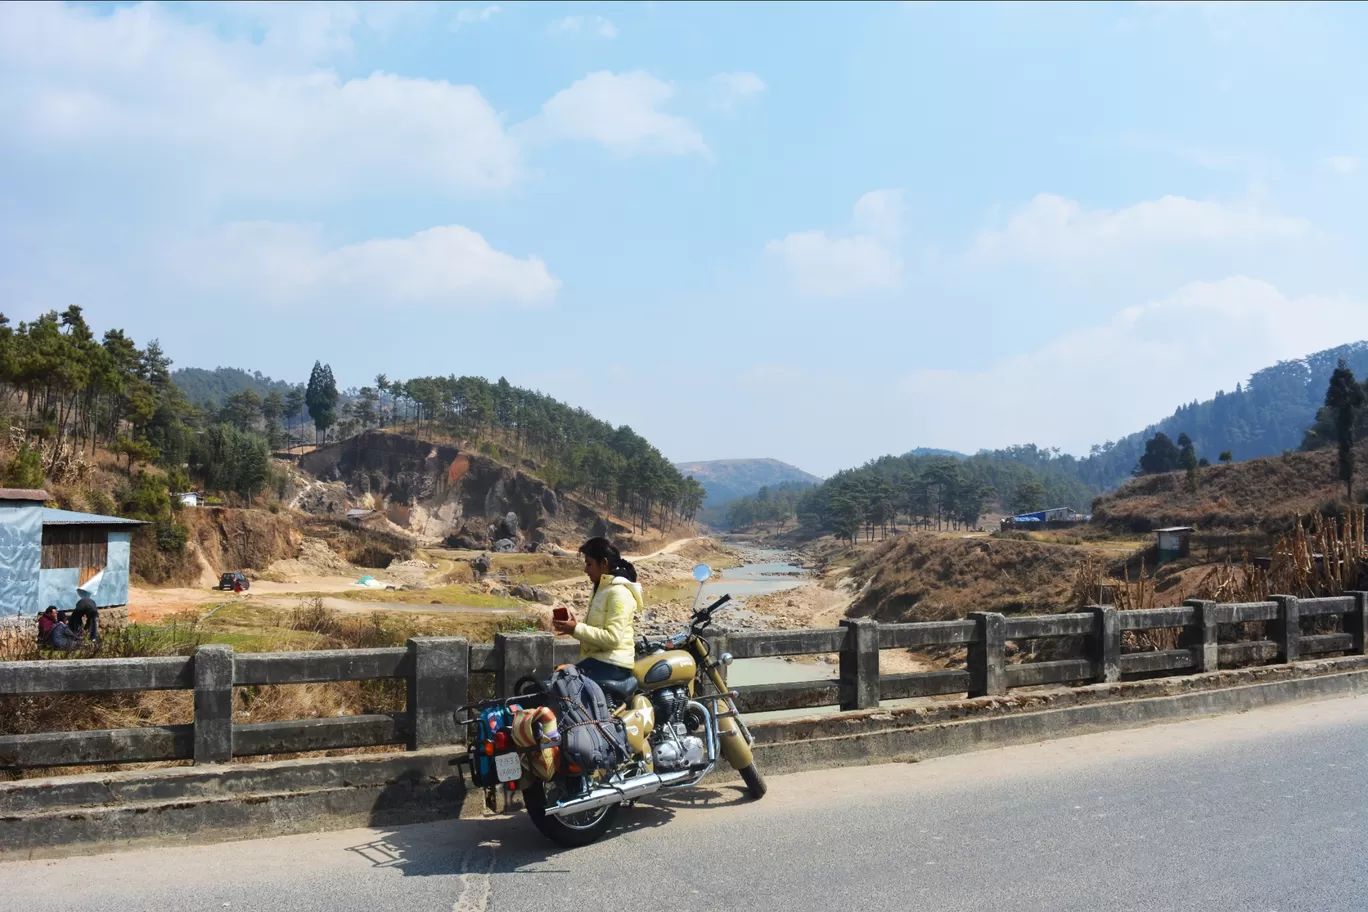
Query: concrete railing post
{"points": [[522, 655], [213, 704], [1286, 630], [438, 685], [1354, 621], [988, 656], [859, 683], [1106, 643], [1201, 637]]}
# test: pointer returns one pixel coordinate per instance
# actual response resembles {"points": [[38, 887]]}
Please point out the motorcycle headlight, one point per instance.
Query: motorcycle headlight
{"points": [[724, 659]]}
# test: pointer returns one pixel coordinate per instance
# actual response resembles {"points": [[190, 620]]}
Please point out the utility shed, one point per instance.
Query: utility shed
{"points": [[54, 557], [1174, 542]]}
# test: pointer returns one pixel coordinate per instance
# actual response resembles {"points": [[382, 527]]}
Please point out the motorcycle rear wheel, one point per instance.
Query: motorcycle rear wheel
{"points": [[572, 832]]}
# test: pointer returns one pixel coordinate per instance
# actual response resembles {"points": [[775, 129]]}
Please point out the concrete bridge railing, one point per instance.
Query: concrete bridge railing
{"points": [[443, 673]]}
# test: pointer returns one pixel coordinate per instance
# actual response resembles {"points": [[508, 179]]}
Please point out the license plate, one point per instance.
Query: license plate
{"points": [[508, 767]]}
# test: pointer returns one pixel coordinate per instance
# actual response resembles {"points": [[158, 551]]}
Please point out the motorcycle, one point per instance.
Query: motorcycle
{"points": [[679, 720]]}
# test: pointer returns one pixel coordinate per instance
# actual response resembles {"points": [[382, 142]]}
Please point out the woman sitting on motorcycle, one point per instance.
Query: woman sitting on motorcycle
{"points": [[607, 643]]}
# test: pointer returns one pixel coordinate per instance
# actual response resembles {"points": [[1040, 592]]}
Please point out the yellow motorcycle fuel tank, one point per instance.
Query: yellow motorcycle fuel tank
{"points": [[674, 668]]}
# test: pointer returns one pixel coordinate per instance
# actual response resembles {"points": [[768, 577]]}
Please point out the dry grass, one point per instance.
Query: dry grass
{"points": [[1318, 558], [924, 577], [309, 625], [1265, 494]]}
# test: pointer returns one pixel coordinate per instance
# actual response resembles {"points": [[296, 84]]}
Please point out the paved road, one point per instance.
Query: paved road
{"points": [[1261, 812]]}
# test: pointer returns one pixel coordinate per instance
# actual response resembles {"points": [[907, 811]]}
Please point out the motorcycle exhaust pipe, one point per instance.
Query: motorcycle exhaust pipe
{"points": [[632, 789]]}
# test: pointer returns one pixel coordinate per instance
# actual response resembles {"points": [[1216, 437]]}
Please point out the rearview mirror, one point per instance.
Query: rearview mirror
{"points": [[702, 573]]}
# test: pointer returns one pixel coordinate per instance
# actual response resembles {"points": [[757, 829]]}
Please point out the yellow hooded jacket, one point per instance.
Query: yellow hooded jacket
{"points": [[606, 631]]}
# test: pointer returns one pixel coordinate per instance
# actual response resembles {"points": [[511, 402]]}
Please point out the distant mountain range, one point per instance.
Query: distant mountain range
{"points": [[727, 479]]}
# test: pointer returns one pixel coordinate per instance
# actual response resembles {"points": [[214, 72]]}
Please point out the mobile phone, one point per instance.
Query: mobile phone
{"points": [[561, 613]]}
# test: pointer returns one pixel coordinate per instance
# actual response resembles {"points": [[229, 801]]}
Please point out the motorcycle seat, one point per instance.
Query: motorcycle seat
{"points": [[620, 690]]}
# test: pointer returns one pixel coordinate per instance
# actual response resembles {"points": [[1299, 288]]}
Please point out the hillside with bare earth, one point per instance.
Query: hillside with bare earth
{"points": [[923, 577], [439, 492]]}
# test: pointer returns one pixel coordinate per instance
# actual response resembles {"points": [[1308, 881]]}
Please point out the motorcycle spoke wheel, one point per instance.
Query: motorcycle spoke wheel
{"points": [[573, 831]]}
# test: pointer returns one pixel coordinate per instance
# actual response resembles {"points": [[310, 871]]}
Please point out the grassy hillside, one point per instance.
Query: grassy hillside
{"points": [[728, 479], [926, 577], [1260, 494]]}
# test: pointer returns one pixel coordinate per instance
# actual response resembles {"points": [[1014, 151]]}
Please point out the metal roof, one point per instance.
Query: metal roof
{"points": [[53, 517], [23, 494], [1175, 529]]}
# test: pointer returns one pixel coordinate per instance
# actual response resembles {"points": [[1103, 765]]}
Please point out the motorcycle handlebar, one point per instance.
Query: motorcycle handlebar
{"points": [[704, 616]]}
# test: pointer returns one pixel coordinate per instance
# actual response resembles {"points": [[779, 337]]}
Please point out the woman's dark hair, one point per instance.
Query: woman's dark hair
{"points": [[601, 549]]}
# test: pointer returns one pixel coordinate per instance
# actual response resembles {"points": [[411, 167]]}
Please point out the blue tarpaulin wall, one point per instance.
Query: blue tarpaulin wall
{"points": [[21, 555]]}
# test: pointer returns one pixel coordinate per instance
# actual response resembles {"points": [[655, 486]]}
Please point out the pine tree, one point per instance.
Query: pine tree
{"points": [[1345, 397], [321, 399]]}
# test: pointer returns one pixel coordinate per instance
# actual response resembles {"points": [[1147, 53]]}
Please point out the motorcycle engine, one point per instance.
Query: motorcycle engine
{"points": [[669, 704], [674, 748], [678, 753]]}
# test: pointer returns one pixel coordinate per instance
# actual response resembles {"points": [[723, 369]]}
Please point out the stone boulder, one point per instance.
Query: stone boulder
{"points": [[533, 594], [505, 546]]}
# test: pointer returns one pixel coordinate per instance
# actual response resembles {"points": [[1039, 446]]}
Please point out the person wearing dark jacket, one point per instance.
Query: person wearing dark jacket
{"points": [[86, 616], [64, 638]]}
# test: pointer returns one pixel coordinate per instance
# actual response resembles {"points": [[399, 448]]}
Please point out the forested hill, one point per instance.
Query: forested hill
{"points": [[938, 490], [123, 400], [727, 479], [215, 386], [1263, 417]]}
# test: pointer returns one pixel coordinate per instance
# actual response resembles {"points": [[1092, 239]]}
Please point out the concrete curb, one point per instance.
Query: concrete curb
{"points": [[69, 815], [893, 742]]}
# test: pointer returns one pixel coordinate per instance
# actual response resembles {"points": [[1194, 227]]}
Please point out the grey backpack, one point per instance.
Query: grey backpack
{"points": [[591, 738]]}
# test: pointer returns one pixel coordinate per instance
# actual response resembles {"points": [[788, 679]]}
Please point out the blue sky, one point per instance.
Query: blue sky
{"points": [[814, 232]]}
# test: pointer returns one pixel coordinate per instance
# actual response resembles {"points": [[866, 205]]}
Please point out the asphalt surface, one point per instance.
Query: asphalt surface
{"points": [[1260, 812]]}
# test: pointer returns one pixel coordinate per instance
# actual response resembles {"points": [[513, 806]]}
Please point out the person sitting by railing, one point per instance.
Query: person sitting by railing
{"points": [[63, 637], [46, 621]]}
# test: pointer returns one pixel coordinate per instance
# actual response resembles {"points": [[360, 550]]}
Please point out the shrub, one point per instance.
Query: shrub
{"points": [[99, 502], [171, 536], [24, 469]]}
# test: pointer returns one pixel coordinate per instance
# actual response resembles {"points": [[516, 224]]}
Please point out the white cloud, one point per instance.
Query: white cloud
{"points": [[137, 90], [1344, 165], [880, 214], [730, 88], [620, 111], [448, 267], [1052, 227], [1110, 380], [823, 265], [594, 26], [472, 14]]}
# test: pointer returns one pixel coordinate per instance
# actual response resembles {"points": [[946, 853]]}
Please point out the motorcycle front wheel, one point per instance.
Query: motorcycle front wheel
{"points": [[573, 831], [755, 783]]}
